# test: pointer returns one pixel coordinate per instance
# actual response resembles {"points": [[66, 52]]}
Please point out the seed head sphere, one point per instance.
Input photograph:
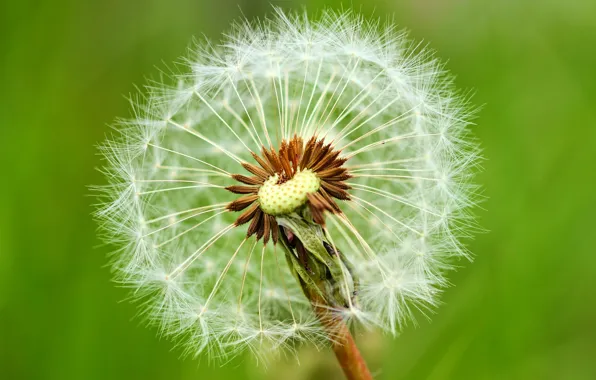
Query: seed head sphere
{"points": [[337, 126]]}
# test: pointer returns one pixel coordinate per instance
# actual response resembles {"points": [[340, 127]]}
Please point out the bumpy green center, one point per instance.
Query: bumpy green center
{"points": [[280, 199]]}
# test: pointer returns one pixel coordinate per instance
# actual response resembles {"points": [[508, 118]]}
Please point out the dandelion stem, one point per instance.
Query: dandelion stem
{"points": [[348, 356], [329, 286]]}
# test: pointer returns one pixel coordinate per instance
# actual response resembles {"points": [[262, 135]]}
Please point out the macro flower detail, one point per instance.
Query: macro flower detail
{"points": [[299, 176], [284, 181]]}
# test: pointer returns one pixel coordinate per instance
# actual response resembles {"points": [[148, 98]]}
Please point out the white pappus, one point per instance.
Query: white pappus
{"points": [[390, 186]]}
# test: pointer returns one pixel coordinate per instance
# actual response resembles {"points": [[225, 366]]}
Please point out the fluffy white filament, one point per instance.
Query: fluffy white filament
{"points": [[383, 100]]}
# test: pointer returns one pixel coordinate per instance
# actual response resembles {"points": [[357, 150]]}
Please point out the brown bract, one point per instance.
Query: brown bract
{"points": [[293, 156]]}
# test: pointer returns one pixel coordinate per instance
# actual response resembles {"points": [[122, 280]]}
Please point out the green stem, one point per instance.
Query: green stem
{"points": [[329, 282]]}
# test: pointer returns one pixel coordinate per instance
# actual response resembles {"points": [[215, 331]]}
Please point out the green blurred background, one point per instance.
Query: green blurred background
{"points": [[525, 309]]}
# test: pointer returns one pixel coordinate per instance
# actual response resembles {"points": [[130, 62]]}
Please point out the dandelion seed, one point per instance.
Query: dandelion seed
{"points": [[334, 143]]}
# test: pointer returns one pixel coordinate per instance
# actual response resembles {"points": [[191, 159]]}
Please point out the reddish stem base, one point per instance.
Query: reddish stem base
{"points": [[344, 346]]}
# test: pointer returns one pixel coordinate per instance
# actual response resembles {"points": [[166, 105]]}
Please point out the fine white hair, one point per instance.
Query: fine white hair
{"points": [[385, 101]]}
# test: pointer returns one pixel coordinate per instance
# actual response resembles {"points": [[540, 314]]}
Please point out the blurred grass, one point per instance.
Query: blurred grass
{"points": [[525, 309]]}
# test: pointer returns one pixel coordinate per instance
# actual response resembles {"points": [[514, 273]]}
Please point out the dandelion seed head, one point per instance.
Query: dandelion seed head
{"points": [[338, 120]]}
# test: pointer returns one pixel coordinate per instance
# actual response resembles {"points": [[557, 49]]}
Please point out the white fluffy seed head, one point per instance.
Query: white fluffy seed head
{"points": [[389, 107]]}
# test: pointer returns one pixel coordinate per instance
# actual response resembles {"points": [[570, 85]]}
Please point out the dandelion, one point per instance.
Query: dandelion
{"points": [[301, 177]]}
